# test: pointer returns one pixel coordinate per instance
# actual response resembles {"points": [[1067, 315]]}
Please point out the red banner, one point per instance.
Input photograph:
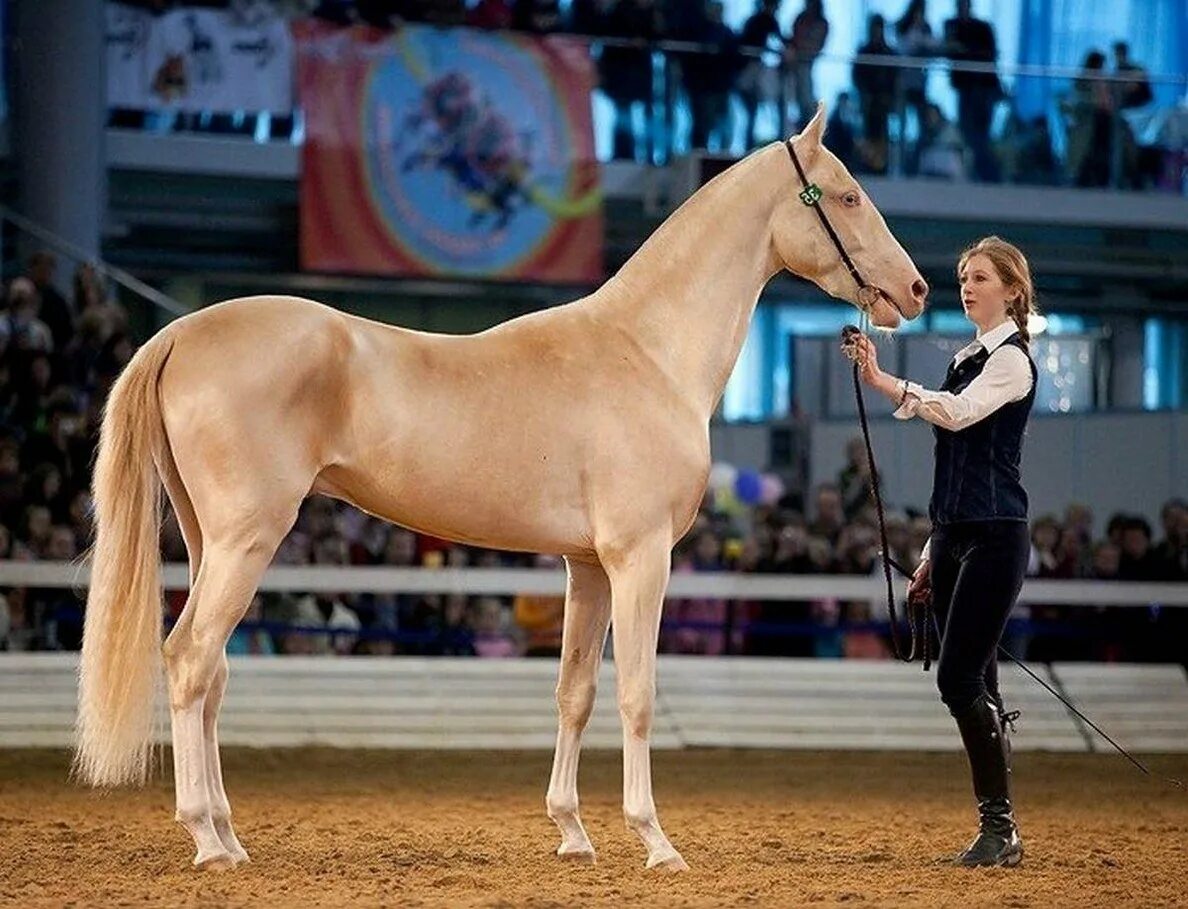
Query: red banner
{"points": [[448, 153]]}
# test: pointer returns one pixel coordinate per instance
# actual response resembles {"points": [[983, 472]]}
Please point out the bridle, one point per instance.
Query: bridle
{"points": [[811, 195]]}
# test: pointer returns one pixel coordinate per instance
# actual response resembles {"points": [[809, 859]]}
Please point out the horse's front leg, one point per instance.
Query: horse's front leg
{"points": [[587, 613], [638, 577]]}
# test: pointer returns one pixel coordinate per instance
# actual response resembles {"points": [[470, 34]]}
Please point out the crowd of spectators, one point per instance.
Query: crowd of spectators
{"points": [[712, 71], [59, 356]]}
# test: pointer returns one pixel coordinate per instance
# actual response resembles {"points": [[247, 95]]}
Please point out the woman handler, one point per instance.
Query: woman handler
{"points": [[978, 552]]}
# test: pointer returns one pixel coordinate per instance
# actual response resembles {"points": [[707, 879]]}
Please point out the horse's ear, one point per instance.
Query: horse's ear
{"points": [[809, 139]]}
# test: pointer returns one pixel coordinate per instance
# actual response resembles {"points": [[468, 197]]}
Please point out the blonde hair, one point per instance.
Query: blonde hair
{"points": [[1013, 270]]}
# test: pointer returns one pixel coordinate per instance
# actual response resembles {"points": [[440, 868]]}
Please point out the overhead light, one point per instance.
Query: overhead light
{"points": [[1036, 324]]}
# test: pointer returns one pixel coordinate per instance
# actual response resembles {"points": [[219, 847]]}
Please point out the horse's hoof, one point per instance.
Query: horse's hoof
{"points": [[576, 856], [668, 862], [219, 861]]}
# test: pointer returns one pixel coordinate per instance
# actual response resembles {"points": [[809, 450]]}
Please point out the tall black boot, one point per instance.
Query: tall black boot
{"points": [[997, 843]]}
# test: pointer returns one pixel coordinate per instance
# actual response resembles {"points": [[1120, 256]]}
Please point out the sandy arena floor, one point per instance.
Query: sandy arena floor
{"points": [[328, 827]]}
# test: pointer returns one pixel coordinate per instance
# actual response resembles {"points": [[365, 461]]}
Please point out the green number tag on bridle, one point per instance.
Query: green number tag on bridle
{"points": [[811, 194]]}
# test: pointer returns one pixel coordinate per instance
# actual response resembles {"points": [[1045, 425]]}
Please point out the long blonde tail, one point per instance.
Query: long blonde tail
{"points": [[121, 650]]}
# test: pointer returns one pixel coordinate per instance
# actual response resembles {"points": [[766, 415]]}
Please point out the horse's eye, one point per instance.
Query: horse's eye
{"points": [[850, 198]]}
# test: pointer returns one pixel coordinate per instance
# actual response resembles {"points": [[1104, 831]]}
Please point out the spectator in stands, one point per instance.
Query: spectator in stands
{"points": [[61, 442], [697, 625], [1072, 555], [46, 489], [971, 40], [455, 634], [1135, 91], [913, 38], [78, 515], [1037, 162], [1114, 527], [782, 623], [1078, 517], [899, 538], [709, 76], [942, 150], [1172, 551], [862, 641], [1118, 627], [828, 516], [810, 30], [97, 312], [328, 612], [541, 617], [1091, 128], [254, 641], [760, 34], [22, 628], [625, 69], [494, 633], [875, 85], [841, 130], [55, 312], [26, 330], [33, 386], [1045, 535], [1107, 559], [12, 481], [1138, 562], [854, 480]]}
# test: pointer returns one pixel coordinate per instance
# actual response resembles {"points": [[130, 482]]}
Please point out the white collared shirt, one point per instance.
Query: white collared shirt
{"points": [[1005, 378]]}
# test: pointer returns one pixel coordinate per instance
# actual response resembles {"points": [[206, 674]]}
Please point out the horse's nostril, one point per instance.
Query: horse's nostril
{"points": [[919, 290]]}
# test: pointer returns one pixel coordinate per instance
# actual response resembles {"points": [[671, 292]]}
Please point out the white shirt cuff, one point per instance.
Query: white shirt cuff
{"points": [[911, 403]]}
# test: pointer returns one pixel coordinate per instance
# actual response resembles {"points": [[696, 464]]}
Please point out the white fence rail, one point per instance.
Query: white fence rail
{"points": [[510, 581], [417, 702]]}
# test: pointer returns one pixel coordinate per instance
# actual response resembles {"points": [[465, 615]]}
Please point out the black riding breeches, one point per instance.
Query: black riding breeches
{"points": [[977, 571]]}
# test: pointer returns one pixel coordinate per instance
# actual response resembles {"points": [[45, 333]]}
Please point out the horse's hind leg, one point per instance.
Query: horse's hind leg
{"points": [[220, 807], [187, 520], [223, 589], [587, 613]]}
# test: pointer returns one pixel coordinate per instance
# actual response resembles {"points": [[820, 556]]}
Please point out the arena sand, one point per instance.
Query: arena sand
{"points": [[332, 827]]}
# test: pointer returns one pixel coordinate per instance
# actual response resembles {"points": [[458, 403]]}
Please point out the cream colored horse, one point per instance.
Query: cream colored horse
{"points": [[580, 430]]}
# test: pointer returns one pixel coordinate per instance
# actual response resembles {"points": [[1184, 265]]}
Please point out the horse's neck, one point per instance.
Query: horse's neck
{"points": [[687, 296]]}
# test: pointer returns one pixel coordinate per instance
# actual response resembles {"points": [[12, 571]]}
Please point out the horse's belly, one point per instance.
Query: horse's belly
{"points": [[519, 511]]}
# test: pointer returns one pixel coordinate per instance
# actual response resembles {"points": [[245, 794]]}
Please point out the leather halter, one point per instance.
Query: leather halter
{"points": [[811, 196]]}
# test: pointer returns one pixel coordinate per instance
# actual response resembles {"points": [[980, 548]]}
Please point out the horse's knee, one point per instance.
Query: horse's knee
{"points": [[575, 703], [637, 704]]}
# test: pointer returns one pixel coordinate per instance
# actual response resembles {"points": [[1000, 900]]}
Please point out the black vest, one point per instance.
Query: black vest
{"points": [[977, 468]]}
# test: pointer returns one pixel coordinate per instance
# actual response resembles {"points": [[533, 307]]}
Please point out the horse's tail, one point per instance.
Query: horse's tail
{"points": [[121, 661]]}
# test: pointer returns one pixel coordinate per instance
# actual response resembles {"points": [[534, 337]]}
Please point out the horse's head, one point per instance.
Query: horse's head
{"points": [[806, 249]]}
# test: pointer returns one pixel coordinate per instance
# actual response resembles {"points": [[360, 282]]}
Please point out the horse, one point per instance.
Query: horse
{"points": [[580, 430]]}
